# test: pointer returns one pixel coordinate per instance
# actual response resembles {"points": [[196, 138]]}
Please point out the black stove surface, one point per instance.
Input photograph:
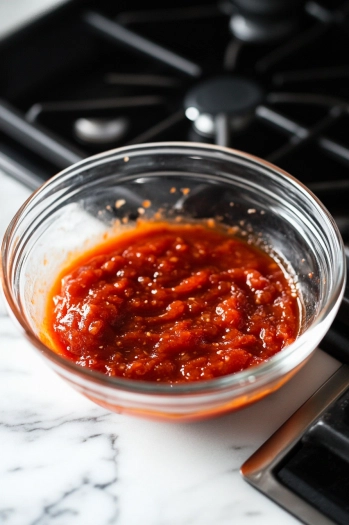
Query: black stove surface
{"points": [[92, 76], [95, 75]]}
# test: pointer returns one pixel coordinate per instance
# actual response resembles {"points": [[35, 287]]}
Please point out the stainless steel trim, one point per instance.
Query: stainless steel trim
{"points": [[258, 469]]}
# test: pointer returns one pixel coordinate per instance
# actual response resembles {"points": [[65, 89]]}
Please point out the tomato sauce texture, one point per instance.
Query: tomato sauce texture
{"points": [[172, 303]]}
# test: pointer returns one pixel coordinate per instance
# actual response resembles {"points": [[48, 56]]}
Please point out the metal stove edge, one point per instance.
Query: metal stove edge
{"points": [[259, 468]]}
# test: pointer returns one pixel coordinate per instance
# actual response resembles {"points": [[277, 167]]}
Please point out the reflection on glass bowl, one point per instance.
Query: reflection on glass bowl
{"points": [[81, 205]]}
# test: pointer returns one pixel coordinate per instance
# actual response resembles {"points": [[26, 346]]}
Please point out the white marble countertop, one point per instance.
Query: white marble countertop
{"points": [[65, 461]]}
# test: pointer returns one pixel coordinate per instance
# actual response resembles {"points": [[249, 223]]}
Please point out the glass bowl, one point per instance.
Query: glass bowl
{"points": [[84, 203]]}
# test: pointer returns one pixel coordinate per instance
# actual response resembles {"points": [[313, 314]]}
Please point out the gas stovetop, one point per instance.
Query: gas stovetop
{"points": [[91, 76], [269, 77]]}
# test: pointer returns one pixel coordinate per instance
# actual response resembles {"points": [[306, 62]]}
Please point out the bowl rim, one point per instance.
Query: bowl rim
{"points": [[238, 380]]}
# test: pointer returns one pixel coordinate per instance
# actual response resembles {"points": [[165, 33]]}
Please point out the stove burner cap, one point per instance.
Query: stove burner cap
{"points": [[263, 21], [235, 96], [100, 130], [256, 31]]}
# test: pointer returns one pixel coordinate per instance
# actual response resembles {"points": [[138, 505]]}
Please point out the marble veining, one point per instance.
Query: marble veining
{"points": [[50, 470], [66, 461]]}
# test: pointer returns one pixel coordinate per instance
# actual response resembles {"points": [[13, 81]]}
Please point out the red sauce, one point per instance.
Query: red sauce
{"points": [[172, 303]]}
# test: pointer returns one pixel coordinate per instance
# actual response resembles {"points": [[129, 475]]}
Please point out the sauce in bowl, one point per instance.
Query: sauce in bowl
{"points": [[172, 303]]}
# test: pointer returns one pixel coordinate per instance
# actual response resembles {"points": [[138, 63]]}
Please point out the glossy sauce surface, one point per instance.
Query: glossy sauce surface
{"points": [[172, 303]]}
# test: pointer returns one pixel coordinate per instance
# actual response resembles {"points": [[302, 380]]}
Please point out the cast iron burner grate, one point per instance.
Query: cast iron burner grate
{"points": [[96, 75]]}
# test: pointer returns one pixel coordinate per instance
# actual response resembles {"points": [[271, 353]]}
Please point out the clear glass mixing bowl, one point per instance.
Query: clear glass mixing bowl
{"points": [[80, 205]]}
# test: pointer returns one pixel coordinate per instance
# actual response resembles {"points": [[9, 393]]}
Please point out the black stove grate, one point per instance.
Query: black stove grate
{"points": [[96, 75], [135, 66]]}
